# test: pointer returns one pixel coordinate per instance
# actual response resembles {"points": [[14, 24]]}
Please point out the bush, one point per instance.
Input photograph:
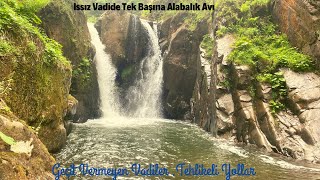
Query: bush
{"points": [[17, 17], [279, 89], [207, 44]]}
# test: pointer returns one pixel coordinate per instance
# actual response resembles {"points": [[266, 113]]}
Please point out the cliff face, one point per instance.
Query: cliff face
{"points": [[126, 41], [35, 81], [69, 28], [180, 47], [243, 109], [246, 116], [300, 20]]}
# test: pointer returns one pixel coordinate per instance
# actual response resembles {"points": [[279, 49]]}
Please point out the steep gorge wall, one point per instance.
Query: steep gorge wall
{"points": [[22, 166], [180, 47], [300, 20], [35, 81], [244, 113], [69, 28]]}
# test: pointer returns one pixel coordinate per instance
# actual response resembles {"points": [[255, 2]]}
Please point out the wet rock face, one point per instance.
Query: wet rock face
{"points": [[33, 165], [69, 28], [179, 74], [126, 41], [300, 20], [124, 37], [200, 99], [180, 47]]}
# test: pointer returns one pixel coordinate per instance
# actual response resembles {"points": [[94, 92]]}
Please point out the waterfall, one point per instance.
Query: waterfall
{"points": [[145, 95], [106, 77]]}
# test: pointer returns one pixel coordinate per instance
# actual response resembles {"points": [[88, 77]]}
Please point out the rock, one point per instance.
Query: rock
{"points": [[124, 37], [19, 165], [304, 96], [225, 104], [304, 88], [53, 136], [225, 123], [300, 20], [244, 97], [72, 107], [179, 73], [264, 91], [69, 28], [224, 45], [39, 79], [172, 24], [244, 74], [200, 98], [243, 108], [181, 68], [247, 122], [311, 120], [267, 123]]}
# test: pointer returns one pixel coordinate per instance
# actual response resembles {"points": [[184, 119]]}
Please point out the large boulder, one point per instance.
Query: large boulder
{"points": [[32, 161]]}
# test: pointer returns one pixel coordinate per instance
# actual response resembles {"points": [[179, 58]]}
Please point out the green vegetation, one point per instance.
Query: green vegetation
{"points": [[5, 86], [34, 75], [279, 89], [6, 48], [206, 44], [18, 17], [268, 52], [7, 139], [83, 72], [225, 83], [259, 45], [127, 72]]}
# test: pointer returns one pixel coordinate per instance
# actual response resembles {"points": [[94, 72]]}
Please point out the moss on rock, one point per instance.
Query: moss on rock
{"points": [[20, 165], [69, 28], [35, 74]]}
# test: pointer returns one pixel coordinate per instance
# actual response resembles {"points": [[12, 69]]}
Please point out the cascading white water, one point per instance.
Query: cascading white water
{"points": [[106, 77], [145, 95]]}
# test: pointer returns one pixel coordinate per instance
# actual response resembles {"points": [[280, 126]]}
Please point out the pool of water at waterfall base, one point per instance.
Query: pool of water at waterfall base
{"points": [[122, 142]]}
